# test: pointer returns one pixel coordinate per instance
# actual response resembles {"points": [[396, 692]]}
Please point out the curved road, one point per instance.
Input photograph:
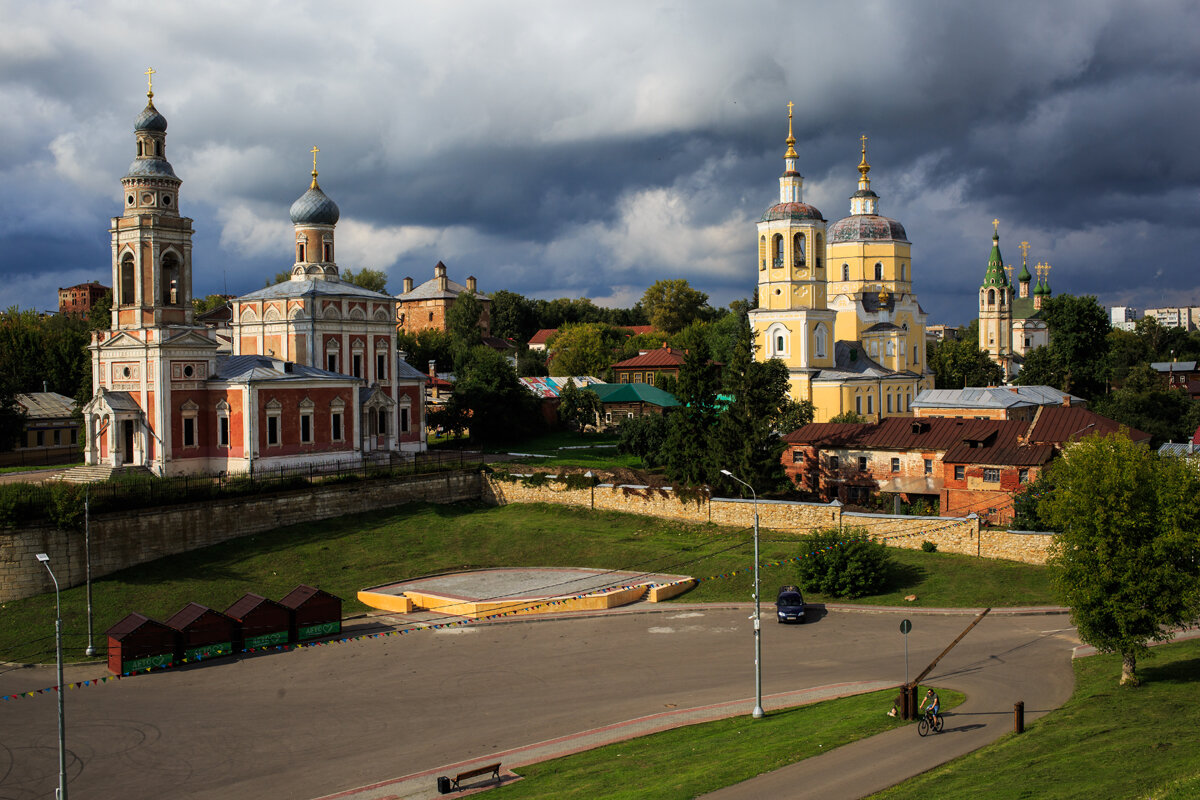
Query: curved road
{"points": [[321, 720]]}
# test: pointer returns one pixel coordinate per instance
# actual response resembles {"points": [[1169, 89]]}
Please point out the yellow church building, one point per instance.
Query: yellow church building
{"points": [[836, 302]]}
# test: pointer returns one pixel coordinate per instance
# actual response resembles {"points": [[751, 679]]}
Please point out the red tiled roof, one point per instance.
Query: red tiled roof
{"points": [[1059, 424], [638, 330], [926, 433], [541, 336], [659, 357]]}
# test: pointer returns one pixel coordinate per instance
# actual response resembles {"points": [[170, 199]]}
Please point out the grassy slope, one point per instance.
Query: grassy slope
{"points": [[1107, 741], [349, 553], [687, 762]]}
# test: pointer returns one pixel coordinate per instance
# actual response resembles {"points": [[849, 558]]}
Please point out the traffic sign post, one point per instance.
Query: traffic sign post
{"points": [[905, 627]]}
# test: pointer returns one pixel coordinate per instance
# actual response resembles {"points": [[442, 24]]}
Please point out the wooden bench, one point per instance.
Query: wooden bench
{"points": [[472, 773]]}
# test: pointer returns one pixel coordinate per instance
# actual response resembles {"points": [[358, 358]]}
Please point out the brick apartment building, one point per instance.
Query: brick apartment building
{"points": [[80, 298]]}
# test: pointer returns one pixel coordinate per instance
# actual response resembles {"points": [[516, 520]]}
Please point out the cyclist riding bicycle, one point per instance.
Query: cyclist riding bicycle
{"points": [[934, 702]]}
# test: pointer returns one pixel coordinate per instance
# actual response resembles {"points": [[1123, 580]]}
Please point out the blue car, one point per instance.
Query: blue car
{"points": [[789, 604]]}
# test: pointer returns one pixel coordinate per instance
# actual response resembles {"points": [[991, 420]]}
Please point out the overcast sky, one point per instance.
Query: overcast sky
{"points": [[569, 149]]}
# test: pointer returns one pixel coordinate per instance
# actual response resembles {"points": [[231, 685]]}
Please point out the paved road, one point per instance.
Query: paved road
{"points": [[321, 720]]}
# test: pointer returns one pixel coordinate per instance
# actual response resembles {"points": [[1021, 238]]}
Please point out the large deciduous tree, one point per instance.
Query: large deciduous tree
{"points": [[578, 406], [488, 399], [372, 279], [673, 304], [959, 362], [583, 349], [513, 316], [1126, 559], [1076, 360], [1146, 403]]}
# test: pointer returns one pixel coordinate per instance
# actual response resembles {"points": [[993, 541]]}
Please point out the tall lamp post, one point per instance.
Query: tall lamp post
{"points": [[87, 547], [758, 709], [62, 726]]}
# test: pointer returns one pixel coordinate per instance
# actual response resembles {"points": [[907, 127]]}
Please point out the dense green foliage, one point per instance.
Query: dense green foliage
{"points": [[958, 362], [424, 346], [487, 400], [1126, 559], [843, 563], [202, 305], [1145, 403], [578, 407], [849, 417], [643, 437], [672, 305], [1076, 359]]}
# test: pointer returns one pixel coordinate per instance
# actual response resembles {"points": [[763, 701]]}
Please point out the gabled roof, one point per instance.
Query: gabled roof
{"points": [[46, 405], [303, 593], [633, 393], [827, 434], [407, 372], [1001, 447], [1185, 449], [658, 357], [432, 290], [249, 602], [190, 613], [255, 368], [1058, 425], [314, 287], [994, 397], [133, 623], [542, 335], [1173, 366]]}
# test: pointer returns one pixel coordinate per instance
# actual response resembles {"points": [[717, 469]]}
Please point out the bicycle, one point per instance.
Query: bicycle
{"points": [[930, 722]]}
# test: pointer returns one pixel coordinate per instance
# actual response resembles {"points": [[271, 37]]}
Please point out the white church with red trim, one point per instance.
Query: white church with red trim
{"points": [[313, 376]]}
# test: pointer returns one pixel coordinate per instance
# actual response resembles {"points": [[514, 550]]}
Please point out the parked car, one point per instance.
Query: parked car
{"points": [[789, 604]]}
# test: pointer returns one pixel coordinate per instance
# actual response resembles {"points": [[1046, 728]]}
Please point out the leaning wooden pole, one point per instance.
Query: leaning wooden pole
{"points": [[910, 691]]}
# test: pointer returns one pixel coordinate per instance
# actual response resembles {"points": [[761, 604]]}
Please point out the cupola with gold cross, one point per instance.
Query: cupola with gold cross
{"points": [[152, 243], [314, 216]]}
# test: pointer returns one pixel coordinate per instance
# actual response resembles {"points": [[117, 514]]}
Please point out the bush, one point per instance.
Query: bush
{"points": [[928, 546], [843, 563]]}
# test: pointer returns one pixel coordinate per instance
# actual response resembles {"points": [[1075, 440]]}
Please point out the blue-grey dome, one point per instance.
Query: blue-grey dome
{"points": [[150, 120], [315, 208], [866, 228], [150, 168]]}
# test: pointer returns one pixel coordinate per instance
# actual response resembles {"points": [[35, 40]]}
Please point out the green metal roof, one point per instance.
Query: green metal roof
{"points": [[633, 393]]}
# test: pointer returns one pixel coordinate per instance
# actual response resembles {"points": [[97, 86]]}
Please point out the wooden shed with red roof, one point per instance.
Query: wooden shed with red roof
{"points": [[262, 622], [315, 612], [649, 364], [203, 633], [138, 642]]}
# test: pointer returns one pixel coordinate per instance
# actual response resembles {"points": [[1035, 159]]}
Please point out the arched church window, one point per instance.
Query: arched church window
{"points": [[901, 272], [798, 249], [139, 149], [820, 248], [158, 149], [300, 250], [779, 344], [328, 252], [127, 288], [762, 252], [820, 341], [878, 271], [777, 250], [170, 279], [891, 349], [991, 301], [845, 272]]}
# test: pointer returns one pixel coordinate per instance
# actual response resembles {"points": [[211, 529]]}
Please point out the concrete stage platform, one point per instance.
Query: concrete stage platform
{"points": [[528, 590]]}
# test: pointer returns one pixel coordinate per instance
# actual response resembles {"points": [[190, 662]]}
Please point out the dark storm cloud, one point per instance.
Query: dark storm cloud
{"points": [[553, 149]]}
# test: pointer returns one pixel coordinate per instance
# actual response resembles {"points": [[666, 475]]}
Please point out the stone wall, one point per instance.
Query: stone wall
{"points": [[124, 539], [950, 534]]}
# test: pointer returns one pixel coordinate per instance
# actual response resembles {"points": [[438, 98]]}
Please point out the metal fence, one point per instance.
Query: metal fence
{"points": [[63, 502]]}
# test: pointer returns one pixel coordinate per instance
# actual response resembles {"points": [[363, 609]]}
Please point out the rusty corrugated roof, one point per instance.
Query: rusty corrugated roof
{"points": [[1001, 447], [246, 604], [131, 624], [828, 434], [659, 357], [926, 433], [1058, 424], [189, 614], [302, 594]]}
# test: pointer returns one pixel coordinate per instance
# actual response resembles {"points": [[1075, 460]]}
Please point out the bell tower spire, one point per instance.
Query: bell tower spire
{"points": [[152, 243], [864, 201], [791, 183]]}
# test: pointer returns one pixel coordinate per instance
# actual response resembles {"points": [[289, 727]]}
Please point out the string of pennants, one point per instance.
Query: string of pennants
{"points": [[522, 609]]}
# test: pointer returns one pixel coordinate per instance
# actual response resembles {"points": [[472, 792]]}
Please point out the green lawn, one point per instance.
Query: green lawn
{"points": [[1107, 741], [686, 762], [350, 553], [36, 467], [567, 449]]}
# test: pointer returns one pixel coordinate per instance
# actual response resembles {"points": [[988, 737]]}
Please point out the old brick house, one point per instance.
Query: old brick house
{"points": [[969, 465]]}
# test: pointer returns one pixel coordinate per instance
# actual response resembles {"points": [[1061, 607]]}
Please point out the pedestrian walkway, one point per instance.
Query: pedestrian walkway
{"points": [[423, 785]]}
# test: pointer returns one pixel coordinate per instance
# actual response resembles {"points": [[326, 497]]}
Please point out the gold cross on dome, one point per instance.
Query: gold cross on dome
{"points": [[863, 139], [996, 226], [314, 152], [149, 73], [790, 104], [1024, 246]]}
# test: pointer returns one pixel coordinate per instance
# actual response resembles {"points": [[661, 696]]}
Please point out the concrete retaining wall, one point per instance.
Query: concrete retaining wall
{"points": [[950, 534]]}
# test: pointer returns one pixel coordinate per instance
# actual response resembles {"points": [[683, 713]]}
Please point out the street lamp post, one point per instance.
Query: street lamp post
{"points": [[758, 709], [87, 546], [62, 725]]}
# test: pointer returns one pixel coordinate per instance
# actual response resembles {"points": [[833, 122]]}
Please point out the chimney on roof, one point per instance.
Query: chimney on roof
{"points": [[1014, 390], [45, 387], [471, 284], [1066, 401], [432, 368], [665, 346], [439, 270], [407, 285]]}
